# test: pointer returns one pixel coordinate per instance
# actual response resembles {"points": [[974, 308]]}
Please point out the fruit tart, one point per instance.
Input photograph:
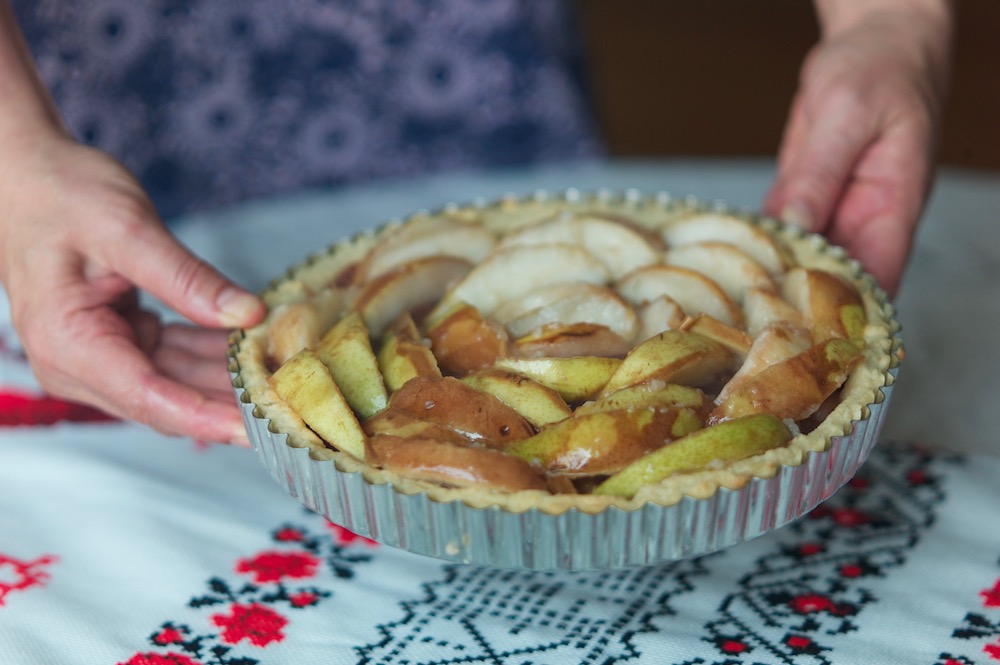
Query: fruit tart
{"points": [[569, 381]]}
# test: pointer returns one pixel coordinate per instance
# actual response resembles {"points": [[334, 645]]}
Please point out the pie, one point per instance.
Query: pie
{"points": [[582, 351]]}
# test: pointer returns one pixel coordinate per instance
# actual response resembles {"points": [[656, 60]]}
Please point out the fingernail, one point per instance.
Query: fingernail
{"points": [[236, 307], [239, 438], [797, 214]]}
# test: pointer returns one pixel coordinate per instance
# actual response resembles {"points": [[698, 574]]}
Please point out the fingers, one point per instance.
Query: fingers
{"points": [[195, 357]]}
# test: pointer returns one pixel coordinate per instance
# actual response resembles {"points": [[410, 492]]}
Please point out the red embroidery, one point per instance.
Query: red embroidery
{"points": [[168, 658], [276, 566], [991, 597], [16, 575], [22, 409], [345, 537], [993, 650], [255, 622]]}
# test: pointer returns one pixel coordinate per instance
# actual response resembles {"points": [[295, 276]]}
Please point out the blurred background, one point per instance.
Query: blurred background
{"points": [[716, 77]]}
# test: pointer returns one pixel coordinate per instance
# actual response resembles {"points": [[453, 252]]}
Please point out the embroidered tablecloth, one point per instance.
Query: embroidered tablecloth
{"points": [[118, 545]]}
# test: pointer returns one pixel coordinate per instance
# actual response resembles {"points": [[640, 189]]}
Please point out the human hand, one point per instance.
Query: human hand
{"points": [[856, 160], [78, 237]]}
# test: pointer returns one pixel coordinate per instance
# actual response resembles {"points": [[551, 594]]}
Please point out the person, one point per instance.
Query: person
{"points": [[80, 236]]}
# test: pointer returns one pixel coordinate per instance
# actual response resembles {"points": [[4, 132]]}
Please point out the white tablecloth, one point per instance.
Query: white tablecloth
{"points": [[118, 545]]}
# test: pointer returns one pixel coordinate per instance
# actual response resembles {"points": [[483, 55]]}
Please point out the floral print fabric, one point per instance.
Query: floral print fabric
{"points": [[214, 101]]}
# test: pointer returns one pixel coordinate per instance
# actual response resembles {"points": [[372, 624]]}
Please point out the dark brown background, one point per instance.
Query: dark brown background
{"points": [[716, 77]]}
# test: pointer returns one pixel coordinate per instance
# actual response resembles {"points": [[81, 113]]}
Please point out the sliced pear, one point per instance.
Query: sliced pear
{"points": [[659, 314], [726, 442], [424, 237], [479, 416], [831, 306], [510, 273], [511, 214], [673, 356], [453, 465], [568, 340], [775, 343], [347, 352], [721, 227], [576, 379], [732, 338], [695, 293], [305, 384], [728, 266], [404, 354], [655, 393], [567, 304], [540, 405], [763, 307], [619, 246], [408, 288], [793, 388], [403, 425], [603, 442], [463, 341], [298, 325]]}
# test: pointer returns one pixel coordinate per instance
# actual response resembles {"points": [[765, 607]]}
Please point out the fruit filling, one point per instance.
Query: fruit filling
{"points": [[564, 348]]}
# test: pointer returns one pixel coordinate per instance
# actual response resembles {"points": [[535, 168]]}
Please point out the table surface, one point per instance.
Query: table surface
{"points": [[118, 545]]}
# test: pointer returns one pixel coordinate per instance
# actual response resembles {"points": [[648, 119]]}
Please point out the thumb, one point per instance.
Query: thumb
{"points": [[155, 261]]}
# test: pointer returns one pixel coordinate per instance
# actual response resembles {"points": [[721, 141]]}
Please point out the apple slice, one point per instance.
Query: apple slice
{"points": [[576, 379], [619, 246], [568, 340], [695, 293], [407, 288], [403, 354], [424, 237], [728, 266], [567, 304], [659, 314], [479, 416], [733, 339], [509, 273], [603, 442], [673, 356], [763, 307], [726, 442], [654, 393], [305, 384], [453, 465], [775, 344], [539, 404], [463, 340], [793, 388], [347, 352], [831, 306], [721, 227]]}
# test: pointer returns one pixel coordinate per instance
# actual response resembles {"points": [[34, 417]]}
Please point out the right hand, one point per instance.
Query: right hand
{"points": [[78, 238]]}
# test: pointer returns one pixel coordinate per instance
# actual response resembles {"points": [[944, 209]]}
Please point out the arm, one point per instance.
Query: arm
{"points": [[856, 161], [78, 237]]}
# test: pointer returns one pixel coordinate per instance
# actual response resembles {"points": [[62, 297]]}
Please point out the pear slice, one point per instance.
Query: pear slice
{"points": [[346, 351], [478, 416], [453, 465], [619, 246], [407, 288], [832, 307], [776, 343], [659, 314], [540, 405], [402, 425], [732, 338], [673, 356], [576, 379], [721, 227], [424, 237], [763, 307], [298, 325], [463, 340], [509, 273], [603, 442], [305, 384], [726, 442], [568, 340], [655, 393], [730, 267], [694, 292], [793, 388], [567, 304], [403, 354]]}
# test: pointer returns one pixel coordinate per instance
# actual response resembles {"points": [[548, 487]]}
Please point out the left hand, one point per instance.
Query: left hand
{"points": [[856, 160]]}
